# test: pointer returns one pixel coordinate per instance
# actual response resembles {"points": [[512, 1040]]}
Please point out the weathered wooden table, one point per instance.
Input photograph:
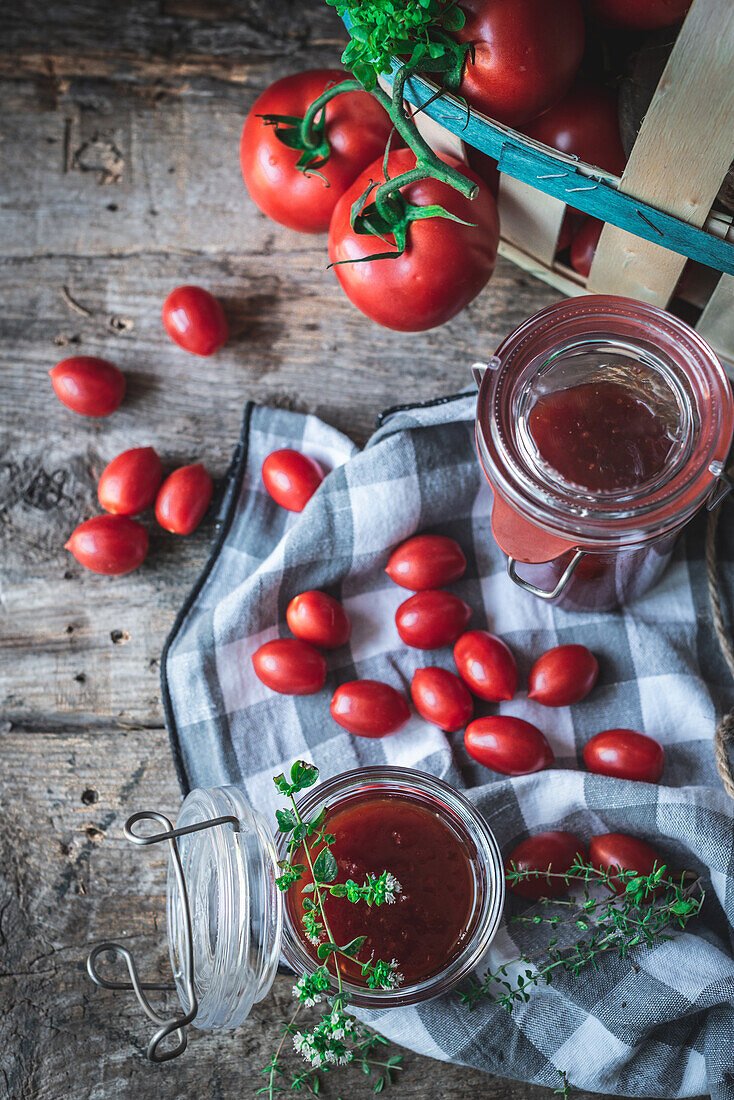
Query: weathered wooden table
{"points": [[120, 179]]}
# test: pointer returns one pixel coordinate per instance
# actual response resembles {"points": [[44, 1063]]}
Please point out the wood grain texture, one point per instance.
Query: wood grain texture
{"points": [[119, 179]]}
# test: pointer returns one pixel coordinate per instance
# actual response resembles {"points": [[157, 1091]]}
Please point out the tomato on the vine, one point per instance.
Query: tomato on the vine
{"points": [[445, 264], [291, 478], [194, 319], [88, 385], [290, 666], [129, 483], [183, 499], [369, 708], [584, 124], [507, 745], [639, 15], [625, 754], [526, 54], [112, 545], [554, 851], [356, 129]]}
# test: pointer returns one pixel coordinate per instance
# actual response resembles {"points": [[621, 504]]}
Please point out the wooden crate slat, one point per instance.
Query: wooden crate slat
{"points": [[716, 323], [682, 153], [530, 219]]}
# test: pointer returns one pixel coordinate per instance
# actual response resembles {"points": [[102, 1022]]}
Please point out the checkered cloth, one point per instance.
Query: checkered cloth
{"points": [[660, 1023]]}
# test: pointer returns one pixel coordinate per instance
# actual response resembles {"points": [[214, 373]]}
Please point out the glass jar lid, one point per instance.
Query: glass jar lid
{"points": [[604, 421]]}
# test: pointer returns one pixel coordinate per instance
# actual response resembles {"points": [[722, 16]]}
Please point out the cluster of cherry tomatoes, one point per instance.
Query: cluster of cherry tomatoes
{"points": [[114, 543]]}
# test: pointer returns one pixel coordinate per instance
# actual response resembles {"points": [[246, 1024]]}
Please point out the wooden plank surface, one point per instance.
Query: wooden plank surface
{"points": [[119, 179]]}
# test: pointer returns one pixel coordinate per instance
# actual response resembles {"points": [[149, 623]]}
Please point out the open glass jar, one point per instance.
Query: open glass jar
{"points": [[603, 425], [228, 924]]}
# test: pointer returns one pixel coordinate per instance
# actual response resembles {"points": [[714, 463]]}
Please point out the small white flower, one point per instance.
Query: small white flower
{"points": [[392, 888], [394, 978], [314, 939]]}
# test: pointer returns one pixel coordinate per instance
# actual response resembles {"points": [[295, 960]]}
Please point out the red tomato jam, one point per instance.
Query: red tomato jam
{"points": [[429, 921], [600, 435]]}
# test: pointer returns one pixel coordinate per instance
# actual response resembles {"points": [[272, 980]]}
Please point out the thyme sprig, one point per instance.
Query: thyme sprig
{"points": [[638, 916], [337, 1038]]}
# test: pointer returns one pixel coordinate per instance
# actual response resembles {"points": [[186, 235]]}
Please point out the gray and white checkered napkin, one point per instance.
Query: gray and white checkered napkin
{"points": [[659, 1024]]}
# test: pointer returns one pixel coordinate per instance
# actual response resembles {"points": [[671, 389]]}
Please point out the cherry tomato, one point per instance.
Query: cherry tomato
{"points": [[526, 54], [426, 561], [625, 754], [195, 320], [88, 385], [444, 266], [440, 697], [356, 129], [618, 850], [319, 619], [585, 124], [563, 675], [640, 15], [183, 499], [432, 619], [109, 544], [583, 250], [369, 708], [554, 851], [129, 484], [291, 478], [290, 666], [507, 745], [486, 665]]}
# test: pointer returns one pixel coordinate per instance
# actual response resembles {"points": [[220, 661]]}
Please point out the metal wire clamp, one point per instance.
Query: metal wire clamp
{"points": [[173, 1024]]}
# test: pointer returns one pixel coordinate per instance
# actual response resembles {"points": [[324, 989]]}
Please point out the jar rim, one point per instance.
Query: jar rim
{"points": [[454, 806], [598, 521]]}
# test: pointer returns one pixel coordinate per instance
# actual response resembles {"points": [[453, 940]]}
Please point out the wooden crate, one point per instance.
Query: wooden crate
{"points": [[658, 213]]}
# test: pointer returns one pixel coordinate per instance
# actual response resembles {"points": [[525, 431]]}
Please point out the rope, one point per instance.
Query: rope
{"points": [[725, 731]]}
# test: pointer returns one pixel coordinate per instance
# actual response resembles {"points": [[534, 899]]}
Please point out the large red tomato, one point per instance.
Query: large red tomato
{"points": [[639, 15], [357, 129], [526, 54], [584, 124], [444, 265]]}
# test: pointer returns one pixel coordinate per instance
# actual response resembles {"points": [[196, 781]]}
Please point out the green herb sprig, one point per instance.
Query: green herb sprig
{"points": [[640, 916], [337, 1038]]}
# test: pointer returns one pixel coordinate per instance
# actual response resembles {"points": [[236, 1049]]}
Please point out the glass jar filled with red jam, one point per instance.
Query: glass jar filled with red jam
{"points": [[229, 926], [603, 425]]}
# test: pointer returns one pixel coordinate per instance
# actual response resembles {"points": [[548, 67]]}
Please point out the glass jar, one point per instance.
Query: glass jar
{"points": [[589, 377], [228, 923]]}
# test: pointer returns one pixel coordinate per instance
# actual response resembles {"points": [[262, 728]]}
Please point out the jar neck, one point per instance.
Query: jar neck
{"points": [[590, 343]]}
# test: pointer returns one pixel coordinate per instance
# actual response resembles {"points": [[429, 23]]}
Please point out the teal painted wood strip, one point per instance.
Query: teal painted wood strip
{"points": [[556, 177]]}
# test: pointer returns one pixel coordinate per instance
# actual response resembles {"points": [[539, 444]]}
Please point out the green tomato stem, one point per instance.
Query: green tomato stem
{"points": [[311, 140]]}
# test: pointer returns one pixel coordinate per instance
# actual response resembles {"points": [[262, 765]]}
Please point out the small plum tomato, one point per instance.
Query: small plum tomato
{"points": [[112, 545], [620, 851], [318, 618], [486, 665], [432, 619], [129, 483], [440, 697], [553, 852], [194, 319], [563, 675], [290, 666], [88, 385], [625, 754], [369, 708], [291, 478], [507, 745], [183, 499], [426, 561]]}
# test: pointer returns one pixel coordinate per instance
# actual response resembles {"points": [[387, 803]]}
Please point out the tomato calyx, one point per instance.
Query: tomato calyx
{"points": [[308, 134]]}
